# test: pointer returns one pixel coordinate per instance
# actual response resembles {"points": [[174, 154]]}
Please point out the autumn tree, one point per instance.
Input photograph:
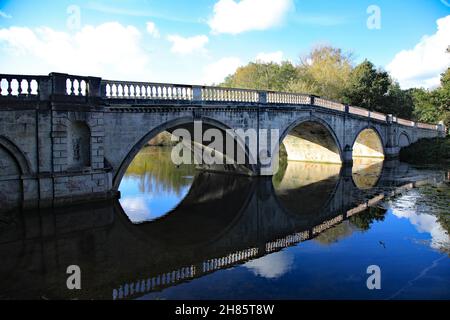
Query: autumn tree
{"points": [[323, 72], [262, 76]]}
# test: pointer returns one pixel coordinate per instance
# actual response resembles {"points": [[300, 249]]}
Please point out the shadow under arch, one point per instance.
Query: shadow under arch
{"points": [[167, 126], [196, 221], [372, 144], [322, 127]]}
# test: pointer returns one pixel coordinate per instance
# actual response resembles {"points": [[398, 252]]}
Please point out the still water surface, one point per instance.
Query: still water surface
{"points": [[176, 233]]}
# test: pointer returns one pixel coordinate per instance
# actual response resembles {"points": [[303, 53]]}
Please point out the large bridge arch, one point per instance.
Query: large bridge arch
{"points": [[311, 139], [171, 124], [368, 143]]}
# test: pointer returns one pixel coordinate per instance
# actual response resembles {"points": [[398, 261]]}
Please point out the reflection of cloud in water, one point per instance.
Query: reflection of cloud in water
{"points": [[271, 266], [136, 208], [426, 223]]}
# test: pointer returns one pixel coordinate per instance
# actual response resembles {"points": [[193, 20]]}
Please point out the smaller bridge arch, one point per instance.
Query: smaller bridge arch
{"points": [[17, 155], [403, 139], [368, 143], [311, 139]]}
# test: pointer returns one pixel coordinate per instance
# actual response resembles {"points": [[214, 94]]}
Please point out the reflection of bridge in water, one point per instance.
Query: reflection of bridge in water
{"points": [[224, 221]]}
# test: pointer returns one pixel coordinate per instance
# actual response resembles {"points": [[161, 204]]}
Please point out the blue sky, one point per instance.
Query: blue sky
{"points": [[202, 41]]}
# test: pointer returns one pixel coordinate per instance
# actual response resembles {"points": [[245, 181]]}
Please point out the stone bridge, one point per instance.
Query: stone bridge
{"points": [[66, 138]]}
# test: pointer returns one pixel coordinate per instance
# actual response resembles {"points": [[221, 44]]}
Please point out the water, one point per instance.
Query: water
{"points": [[176, 233]]}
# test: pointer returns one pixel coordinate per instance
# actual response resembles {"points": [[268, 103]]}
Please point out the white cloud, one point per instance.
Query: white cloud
{"points": [[422, 65], [136, 209], [5, 15], [216, 72], [152, 30], [109, 50], [188, 45], [271, 266], [236, 17], [426, 223], [264, 57]]}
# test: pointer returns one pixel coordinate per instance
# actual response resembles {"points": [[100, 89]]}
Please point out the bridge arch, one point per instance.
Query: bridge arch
{"points": [[17, 155], [170, 125], [13, 166], [368, 143], [311, 139], [403, 139]]}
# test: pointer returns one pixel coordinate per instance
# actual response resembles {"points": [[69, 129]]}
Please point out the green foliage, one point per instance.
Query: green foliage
{"points": [[433, 106], [154, 167], [367, 87], [328, 72], [364, 219], [262, 76], [323, 72], [427, 151], [399, 102]]}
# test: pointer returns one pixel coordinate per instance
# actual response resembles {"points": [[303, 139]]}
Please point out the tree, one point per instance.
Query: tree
{"points": [[368, 87], [262, 76], [399, 102], [433, 106], [323, 72]]}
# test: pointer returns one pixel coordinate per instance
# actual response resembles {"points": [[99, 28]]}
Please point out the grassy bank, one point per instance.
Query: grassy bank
{"points": [[427, 151]]}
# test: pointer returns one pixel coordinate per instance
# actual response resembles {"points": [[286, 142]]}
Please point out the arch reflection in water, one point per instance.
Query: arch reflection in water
{"points": [[366, 172], [153, 185], [223, 221]]}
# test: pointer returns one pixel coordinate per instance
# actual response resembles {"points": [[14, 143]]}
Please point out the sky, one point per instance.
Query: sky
{"points": [[202, 41]]}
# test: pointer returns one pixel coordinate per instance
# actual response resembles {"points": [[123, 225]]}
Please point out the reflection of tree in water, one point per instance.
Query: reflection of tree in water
{"points": [[359, 222], [282, 166], [364, 219], [154, 167]]}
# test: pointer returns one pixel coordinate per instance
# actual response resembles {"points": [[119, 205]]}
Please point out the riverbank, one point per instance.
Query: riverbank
{"points": [[427, 151]]}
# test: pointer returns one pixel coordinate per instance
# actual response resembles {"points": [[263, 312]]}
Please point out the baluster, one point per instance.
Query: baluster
{"points": [[19, 86], [80, 87], [29, 81], [9, 90], [114, 90], [72, 87]]}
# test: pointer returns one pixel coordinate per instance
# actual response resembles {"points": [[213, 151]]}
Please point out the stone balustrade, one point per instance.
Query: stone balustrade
{"points": [[59, 84], [426, 126], [145, 90], [288, 98], [358, 111], [19, 86], [405, 122]]}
